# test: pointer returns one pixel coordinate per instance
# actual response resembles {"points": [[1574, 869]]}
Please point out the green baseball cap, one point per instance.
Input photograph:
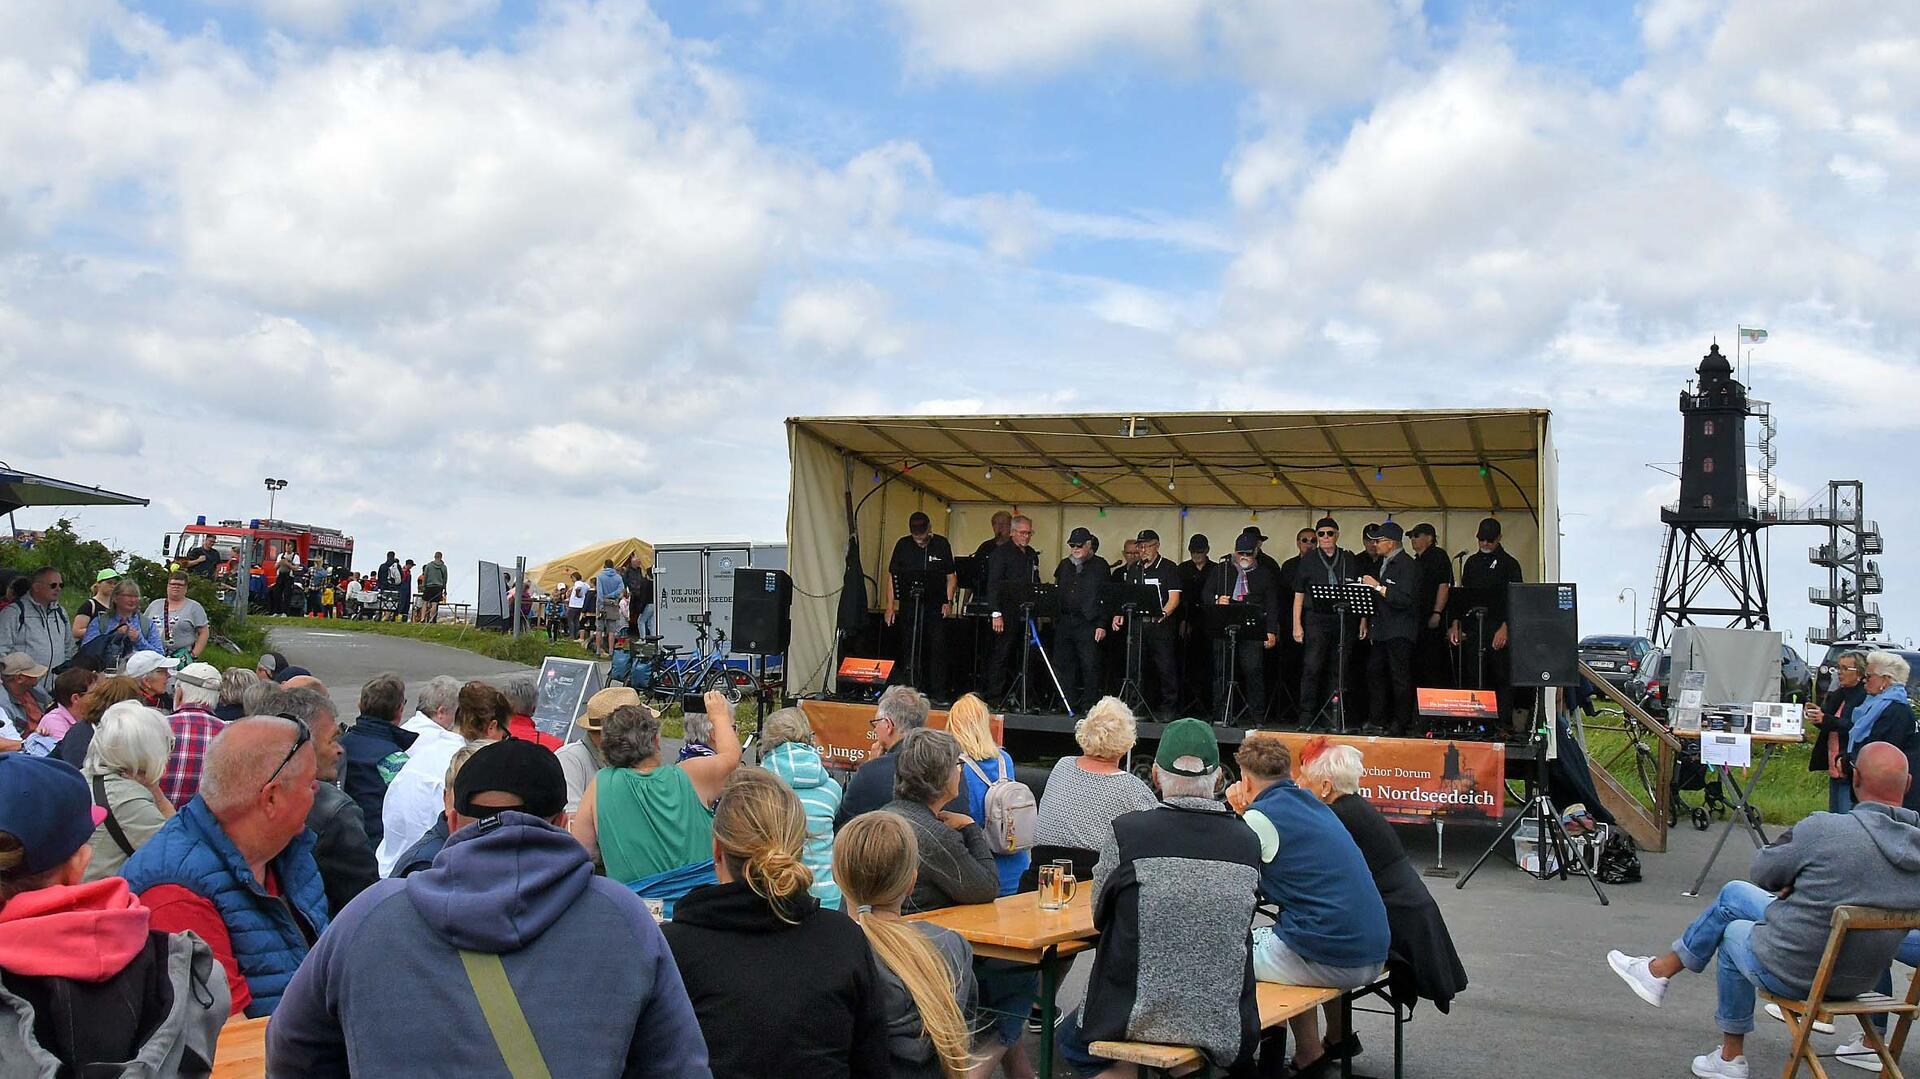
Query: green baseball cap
{"points": [[1187, 738], [108, 574]]}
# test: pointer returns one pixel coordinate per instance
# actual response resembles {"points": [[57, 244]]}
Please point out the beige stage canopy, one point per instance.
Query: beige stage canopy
{"points": [[1178, 473], [589, 560]]}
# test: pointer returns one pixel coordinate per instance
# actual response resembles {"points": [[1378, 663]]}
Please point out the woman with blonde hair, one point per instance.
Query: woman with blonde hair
{"points": [[781, 985], [982, 765], [926, 970], [124, 763]]}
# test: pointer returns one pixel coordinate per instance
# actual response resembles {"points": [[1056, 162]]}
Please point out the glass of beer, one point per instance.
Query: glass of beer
{"points": [[1056, 885]]}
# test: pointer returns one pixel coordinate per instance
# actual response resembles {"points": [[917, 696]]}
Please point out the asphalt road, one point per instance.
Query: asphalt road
{"points": [[1542, 1000]]}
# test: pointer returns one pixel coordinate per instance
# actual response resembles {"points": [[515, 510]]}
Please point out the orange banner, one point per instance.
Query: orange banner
{"points": [[1416, 779], [1459, 703], [840, 728]]}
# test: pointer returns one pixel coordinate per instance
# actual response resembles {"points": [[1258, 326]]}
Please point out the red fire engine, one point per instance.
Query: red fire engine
{"points": [[327, 551]]}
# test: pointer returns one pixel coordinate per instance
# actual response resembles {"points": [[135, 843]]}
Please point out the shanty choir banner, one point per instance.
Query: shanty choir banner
{"points": [[1417, 779], [841, 729]]}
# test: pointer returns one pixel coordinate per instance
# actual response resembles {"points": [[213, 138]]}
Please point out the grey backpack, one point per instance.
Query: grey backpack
{"points": [[1010, 810]]}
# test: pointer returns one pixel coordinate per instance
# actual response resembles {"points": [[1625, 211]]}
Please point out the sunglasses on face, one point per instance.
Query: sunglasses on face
{"points": [[1326, 532], [304, 736]]}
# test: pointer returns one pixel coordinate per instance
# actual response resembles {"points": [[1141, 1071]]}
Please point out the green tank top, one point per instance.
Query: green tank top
{"points": [[648, 823]]}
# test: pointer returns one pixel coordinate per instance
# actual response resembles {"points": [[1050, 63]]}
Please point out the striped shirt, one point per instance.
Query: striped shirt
{"points": [[1077, 807]]}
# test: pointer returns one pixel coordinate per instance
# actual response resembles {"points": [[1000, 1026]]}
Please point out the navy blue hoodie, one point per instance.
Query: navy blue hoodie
{"points": [[375, 750], [384, 992]]}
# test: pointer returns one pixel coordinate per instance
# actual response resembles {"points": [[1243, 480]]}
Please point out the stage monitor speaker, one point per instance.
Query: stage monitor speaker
{"points": [[1543, 629], [762, 611]]}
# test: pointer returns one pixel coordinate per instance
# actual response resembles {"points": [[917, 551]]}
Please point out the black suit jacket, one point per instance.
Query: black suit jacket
{"points": [[1010, 562], [1397, 615], [1080, 589], [1263, 590]]}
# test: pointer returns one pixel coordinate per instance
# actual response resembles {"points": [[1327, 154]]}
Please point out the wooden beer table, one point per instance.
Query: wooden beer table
{"points": [[242, 1052], [1014, 928], [1741, 815]]}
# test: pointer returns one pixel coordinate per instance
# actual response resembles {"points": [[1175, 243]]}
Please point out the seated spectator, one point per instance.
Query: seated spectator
{"points": [[642, 818], [1172, 980], [926, 970], [1332, 929], [153, 673], [341, 848], [68, 689], [88, 983], [901, 709], [786, 750], [428, 846], [233, 689], [415, 799], [956, 864], [196, 689], [287, 675], [1773, 932], [22, 702], [125, 761], [760, 956], [983, 763], [523, 695], [123, 630], [270, 665], [1421, 958], [698, 732], [235, 865], [1085, 793], [106, 693], [510, 918], [376, 748], [581, 759]]}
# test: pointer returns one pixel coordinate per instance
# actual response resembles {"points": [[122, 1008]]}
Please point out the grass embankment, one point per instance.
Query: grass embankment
{"points": [[1787, 792]]}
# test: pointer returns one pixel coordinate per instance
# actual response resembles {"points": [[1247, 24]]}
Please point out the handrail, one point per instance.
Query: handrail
{"points": [[1628, 708]]}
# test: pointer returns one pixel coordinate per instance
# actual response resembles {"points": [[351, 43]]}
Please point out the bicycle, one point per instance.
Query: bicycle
{"points": [[668, 675]]}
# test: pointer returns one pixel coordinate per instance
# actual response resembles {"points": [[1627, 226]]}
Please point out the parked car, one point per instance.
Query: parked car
{"points": [[1796, 678], [1615, 658], [1823, 676], [1648, 686]]}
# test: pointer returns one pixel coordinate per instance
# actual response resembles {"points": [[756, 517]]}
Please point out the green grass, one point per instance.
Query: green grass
{"points": [[1787, 793], [530, 649]]}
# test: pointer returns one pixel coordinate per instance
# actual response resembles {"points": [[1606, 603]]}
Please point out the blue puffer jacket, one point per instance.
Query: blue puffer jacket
{"points": [[191, 851]]}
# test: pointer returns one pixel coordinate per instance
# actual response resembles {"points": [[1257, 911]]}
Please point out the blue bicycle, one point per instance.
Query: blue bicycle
{"points": [[664, 674]]}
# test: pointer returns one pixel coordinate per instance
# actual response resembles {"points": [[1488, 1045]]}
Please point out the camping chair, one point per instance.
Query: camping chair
{"points": [[1801, 1014]]}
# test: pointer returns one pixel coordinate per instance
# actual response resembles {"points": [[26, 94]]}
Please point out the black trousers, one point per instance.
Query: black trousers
{"points": [[1319, 665], [1432, 664], [1076, 659], [1390, 685], [1250, 673], [1159, 653], [931, 676], [1004, 656], [1196, 668]]}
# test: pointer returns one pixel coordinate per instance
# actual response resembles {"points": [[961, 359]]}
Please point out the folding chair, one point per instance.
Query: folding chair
{"points": [[1801, 1014]]}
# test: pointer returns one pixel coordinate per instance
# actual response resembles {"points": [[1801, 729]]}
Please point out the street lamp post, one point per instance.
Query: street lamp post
{"points": [[273, 487], [1622, 598]]}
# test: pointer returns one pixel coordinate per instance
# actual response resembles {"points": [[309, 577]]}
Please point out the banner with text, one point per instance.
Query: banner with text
{"points": [[841, 729], [1417, 779]]}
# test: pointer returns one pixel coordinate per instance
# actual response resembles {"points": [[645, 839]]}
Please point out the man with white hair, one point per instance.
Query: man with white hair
{"points": [[901, 709], [415, 798], [196, 692], [235, 865], [1173, 892]]}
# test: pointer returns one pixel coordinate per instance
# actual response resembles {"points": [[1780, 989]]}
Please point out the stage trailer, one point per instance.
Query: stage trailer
{"points": [[1177, 473]]}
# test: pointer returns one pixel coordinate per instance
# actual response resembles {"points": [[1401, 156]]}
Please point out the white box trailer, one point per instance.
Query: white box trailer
{"points": [[695, 580]]}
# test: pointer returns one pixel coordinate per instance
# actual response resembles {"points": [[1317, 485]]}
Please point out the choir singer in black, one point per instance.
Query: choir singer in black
{"points": [[1078, 631], [1484, 658], [1158, 630], [1318, 631], [1392, 629], [1245, 579], [928, 555], [1012, 562]]}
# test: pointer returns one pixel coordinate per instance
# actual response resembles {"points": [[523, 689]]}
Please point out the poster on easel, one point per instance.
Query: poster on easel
{"points": [[1690, 701], [565, 686]]}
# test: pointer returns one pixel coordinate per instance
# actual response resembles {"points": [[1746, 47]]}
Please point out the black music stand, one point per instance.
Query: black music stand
{"points": [[1473, 605], [1228, 621], [1343, 600], [1128, 600], [1032, 600], [918, 583]]}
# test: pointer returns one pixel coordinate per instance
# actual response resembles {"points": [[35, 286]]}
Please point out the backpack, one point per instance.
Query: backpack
{"points": [[1010, 810], [1619, 860]]}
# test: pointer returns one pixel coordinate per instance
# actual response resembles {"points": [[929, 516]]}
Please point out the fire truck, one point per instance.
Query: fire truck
{"points": [[327, 552]]}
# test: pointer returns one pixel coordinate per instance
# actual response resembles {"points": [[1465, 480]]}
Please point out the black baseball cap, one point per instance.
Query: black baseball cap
{"points": [[918, 523], [1326, 522], [1489, 530], [1389, 531], [1254, 531], [1246, 544], [1199, 543], [1371, 531], [1079, 536], [1147, 535], [512, 766], [1423, 529], [272, 662]]}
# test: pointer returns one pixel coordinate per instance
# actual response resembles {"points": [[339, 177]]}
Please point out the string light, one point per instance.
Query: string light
{"points": [[876, 476], [1273, 480], [989, 473], [1076, 479], [1103, 511], [1483, 471], [1254, 516], [1169, 477], [1379, 473], [1183, 512]]}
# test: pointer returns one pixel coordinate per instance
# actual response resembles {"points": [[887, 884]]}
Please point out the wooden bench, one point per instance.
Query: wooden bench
{"points": [[242, 1053], [1278, 1003]]}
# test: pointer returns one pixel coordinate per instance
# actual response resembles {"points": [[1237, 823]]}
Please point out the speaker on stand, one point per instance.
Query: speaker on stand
{"points": [[762, 623]]}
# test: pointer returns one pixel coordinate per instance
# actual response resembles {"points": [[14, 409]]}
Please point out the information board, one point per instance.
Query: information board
{"points": [[565, 686]]}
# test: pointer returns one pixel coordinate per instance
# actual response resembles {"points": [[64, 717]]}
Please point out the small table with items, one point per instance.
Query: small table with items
{"points": [[1014, 928], [1742, 815]]}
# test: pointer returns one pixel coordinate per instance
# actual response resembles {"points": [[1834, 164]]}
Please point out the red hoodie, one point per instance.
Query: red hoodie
{"points": [[87, 932]]}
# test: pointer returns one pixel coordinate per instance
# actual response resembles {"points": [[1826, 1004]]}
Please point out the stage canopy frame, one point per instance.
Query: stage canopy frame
{"points": [[1178, 473]]}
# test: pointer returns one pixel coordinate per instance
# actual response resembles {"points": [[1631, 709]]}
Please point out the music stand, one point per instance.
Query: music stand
{"points": [[1127, 599], [917, 583], [1342, 600], [1033, 599], [1230, 620]]}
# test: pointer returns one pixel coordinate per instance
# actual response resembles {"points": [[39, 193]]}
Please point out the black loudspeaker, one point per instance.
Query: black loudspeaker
{"points": [[762, 611], [1543, 630]]}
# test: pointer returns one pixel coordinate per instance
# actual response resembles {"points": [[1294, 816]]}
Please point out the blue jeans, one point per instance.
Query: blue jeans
{"points": [[1725, 928], [646, 620], [1839, 795], [1072, 1046], [1006, 997]]}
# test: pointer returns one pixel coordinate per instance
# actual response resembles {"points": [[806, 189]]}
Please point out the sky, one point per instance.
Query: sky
{"points": [[503, 277]]}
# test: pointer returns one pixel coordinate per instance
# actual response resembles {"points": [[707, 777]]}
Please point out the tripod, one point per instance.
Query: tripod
{"points": [[1342, 600], [1540, 809], [1031, 599]]}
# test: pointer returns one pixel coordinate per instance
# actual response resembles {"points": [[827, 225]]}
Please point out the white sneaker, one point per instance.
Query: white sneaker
{"points": [[1857, 1054], [1820, 1026], [1633, 970], [1711, 1065]]}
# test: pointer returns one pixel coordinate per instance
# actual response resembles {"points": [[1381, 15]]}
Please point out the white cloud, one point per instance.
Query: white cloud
{"points": [[838, 320], [1863, 175], [999, 37]]}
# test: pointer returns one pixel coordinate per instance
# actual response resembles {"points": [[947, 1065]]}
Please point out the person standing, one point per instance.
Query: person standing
{"points": [[433, 588], [611, 585], [1158, 629], [1430, 665], [1395, 624], [182, 621], [38, 625], [639, 597], [204, 560], [1289, 650], [576, 604], [1486, 659], [99, 602], [928, 557], [1078, 631], [1012, 563], [1830, 725], [1319, 632], [1245, 580], [1196, 653]]}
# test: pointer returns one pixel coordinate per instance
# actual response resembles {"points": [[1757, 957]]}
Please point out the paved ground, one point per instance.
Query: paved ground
{"points": [[1542, 1000]]}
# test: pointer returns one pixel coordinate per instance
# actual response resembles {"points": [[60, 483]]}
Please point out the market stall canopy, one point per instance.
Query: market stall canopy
{"points": [[588, 560], [19, 489]]}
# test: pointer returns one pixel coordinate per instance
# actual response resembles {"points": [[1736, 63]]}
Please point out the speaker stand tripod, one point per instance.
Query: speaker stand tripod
{"points": [[1552, 835]]}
